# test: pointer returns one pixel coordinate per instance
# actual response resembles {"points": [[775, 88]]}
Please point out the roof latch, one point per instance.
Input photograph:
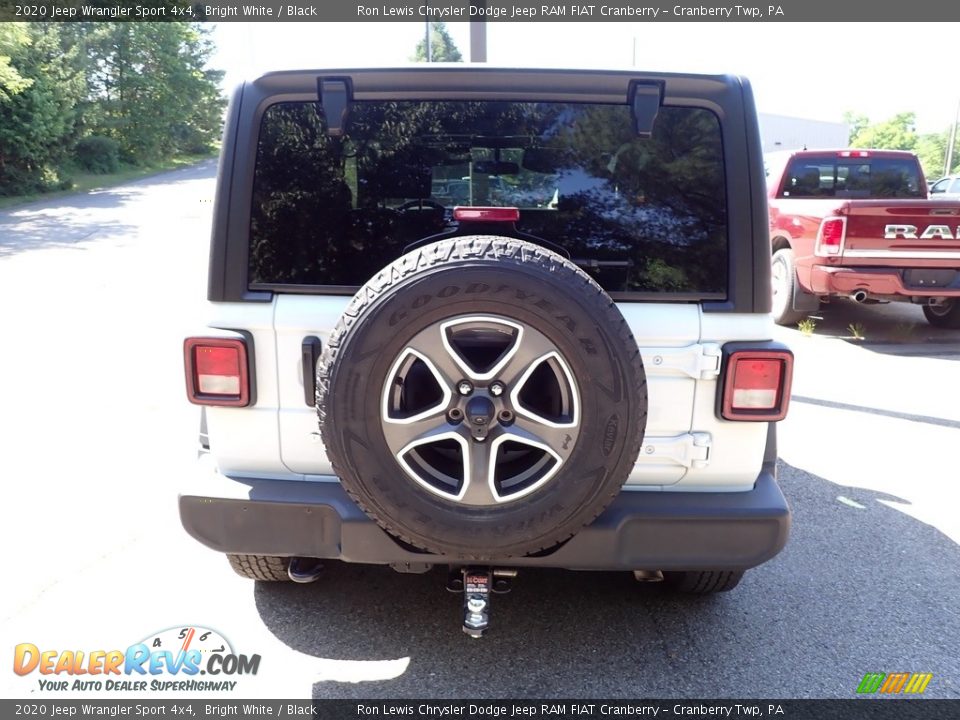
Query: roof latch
{"points": [[645, 100], [335, 95]]}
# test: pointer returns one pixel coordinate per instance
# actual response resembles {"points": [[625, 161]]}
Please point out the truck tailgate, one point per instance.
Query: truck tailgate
{"points": [[882, 232]]}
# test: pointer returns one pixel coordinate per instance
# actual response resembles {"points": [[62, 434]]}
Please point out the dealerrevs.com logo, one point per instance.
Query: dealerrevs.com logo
{"points": [[169, 660]]}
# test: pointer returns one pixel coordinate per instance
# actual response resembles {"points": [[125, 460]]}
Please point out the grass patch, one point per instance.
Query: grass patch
{"points": [[807, 326], [85, 182]]}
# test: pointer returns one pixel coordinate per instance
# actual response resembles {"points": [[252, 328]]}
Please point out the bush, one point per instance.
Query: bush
{"points": [[97, 154]]}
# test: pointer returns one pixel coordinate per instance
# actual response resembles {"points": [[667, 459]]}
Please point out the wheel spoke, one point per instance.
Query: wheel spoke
{"points": [[402, 433], [534, 431], [478, 490], [429, 345], [524, 355]]}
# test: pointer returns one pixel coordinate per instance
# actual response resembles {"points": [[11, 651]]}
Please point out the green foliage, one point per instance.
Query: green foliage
{"points": [[13, 38], [807, 326], [97, 154], [857, 123], [38, 123], [857, 330], [932, 151], [442, 47], [897, 133], [143, 87]]}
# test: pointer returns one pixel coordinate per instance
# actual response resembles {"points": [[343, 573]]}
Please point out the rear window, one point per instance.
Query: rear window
{"points": [[848, 177], [639, 215]]}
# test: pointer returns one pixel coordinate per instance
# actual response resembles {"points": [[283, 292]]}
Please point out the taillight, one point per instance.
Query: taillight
{"points": [[833, 231], [486, 214], [217, 371], [756, 383]]}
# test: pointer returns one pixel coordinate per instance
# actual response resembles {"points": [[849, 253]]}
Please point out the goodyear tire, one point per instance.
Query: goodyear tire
{"points": [[482, 398]]}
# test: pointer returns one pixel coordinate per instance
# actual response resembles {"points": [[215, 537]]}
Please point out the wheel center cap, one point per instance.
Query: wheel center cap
{"points": [[480, 411]]}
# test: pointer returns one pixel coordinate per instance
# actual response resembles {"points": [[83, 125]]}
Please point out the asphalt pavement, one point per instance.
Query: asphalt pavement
{"points": [[98, 291]]}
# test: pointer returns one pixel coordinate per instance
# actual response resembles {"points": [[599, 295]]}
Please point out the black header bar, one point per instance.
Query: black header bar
{"points": [[647, 11]]}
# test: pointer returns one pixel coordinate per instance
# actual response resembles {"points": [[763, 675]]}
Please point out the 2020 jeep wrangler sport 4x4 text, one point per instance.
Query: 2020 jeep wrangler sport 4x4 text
{"points": [[566, 365]]}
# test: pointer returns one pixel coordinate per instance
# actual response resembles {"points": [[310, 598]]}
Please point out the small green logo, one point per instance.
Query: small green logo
{"points": [[893, 683]]}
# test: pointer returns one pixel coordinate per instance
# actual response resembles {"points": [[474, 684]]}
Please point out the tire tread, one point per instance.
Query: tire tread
{"points": [[267, 568]]}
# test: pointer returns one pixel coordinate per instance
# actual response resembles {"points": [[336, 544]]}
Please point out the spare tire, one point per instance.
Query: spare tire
{"points": [[482, 398]]}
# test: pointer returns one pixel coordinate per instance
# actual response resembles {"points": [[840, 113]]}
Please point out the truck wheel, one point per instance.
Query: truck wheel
{"points": [[260, 567], [482, 397], [703, 582], [783, 279], [946, 315]]}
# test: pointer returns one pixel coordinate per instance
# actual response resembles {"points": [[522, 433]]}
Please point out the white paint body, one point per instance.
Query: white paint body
{"points": [[686, 447]]}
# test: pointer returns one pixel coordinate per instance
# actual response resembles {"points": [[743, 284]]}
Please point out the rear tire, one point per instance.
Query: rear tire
{"points": [[943, 316], [784, 280], [267, 568], [703, 582]]}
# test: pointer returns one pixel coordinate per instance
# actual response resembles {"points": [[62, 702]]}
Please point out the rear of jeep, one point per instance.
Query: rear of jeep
{"points": [[490, 319]]}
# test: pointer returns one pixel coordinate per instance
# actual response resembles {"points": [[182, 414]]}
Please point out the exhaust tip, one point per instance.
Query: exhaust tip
{"points": [[304, 570], [648, 576], [859, 296]]}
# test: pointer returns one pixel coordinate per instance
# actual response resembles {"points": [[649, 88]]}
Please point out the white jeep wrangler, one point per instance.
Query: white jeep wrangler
{"points": [[569, 364]]}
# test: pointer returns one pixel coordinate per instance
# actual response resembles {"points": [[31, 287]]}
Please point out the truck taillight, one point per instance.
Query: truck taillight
{"points": [[830, 237], [756, 383], [217, 371]]}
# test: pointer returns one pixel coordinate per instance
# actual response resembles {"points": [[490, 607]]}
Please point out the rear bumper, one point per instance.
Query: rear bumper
{"points": [[876, 281], [639, 531]]}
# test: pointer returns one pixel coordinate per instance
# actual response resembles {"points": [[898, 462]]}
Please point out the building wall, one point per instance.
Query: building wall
{"points": [[780, 132]]}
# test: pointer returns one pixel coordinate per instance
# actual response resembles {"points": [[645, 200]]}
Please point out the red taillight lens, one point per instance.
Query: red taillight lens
{"points": [[217, 371], [486, 214], [831, 236], [757, 385]]}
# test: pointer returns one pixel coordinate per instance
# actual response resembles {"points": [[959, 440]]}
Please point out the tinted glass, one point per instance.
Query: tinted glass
{"points": [[810, 177], [637, 214]]}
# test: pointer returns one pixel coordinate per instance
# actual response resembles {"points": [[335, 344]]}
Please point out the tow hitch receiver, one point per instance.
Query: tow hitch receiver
{"points": [[477, 585]]}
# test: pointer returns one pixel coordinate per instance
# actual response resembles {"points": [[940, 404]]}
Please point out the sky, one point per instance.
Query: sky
{"points": [[809, 70]]}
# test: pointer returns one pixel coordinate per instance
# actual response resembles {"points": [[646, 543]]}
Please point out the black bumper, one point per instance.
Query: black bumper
{"points": [[639, 531]]}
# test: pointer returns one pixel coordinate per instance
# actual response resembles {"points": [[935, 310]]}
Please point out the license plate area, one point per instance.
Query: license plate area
{"points": [[920, 278]]}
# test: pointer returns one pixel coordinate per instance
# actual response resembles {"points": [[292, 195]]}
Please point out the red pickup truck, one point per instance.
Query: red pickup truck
{"points": [[858, 224]]}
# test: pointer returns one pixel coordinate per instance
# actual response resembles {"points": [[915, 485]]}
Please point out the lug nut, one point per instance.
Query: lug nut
{"points": [[464, 388], [496, 389]]}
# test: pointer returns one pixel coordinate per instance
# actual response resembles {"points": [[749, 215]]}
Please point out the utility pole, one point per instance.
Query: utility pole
{"points": [[478, 35], [426, 40], [948, 163]]}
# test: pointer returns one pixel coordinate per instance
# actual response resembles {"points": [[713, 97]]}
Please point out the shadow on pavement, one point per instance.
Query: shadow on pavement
{"points": [[74, 221], [855, 590]]}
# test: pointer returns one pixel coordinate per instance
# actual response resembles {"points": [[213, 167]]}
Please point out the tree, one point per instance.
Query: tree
{"points": [[897, 133], [856, 122], [38, 123], [932, 151], [13, 38], [442, 47], [155, 95]]}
